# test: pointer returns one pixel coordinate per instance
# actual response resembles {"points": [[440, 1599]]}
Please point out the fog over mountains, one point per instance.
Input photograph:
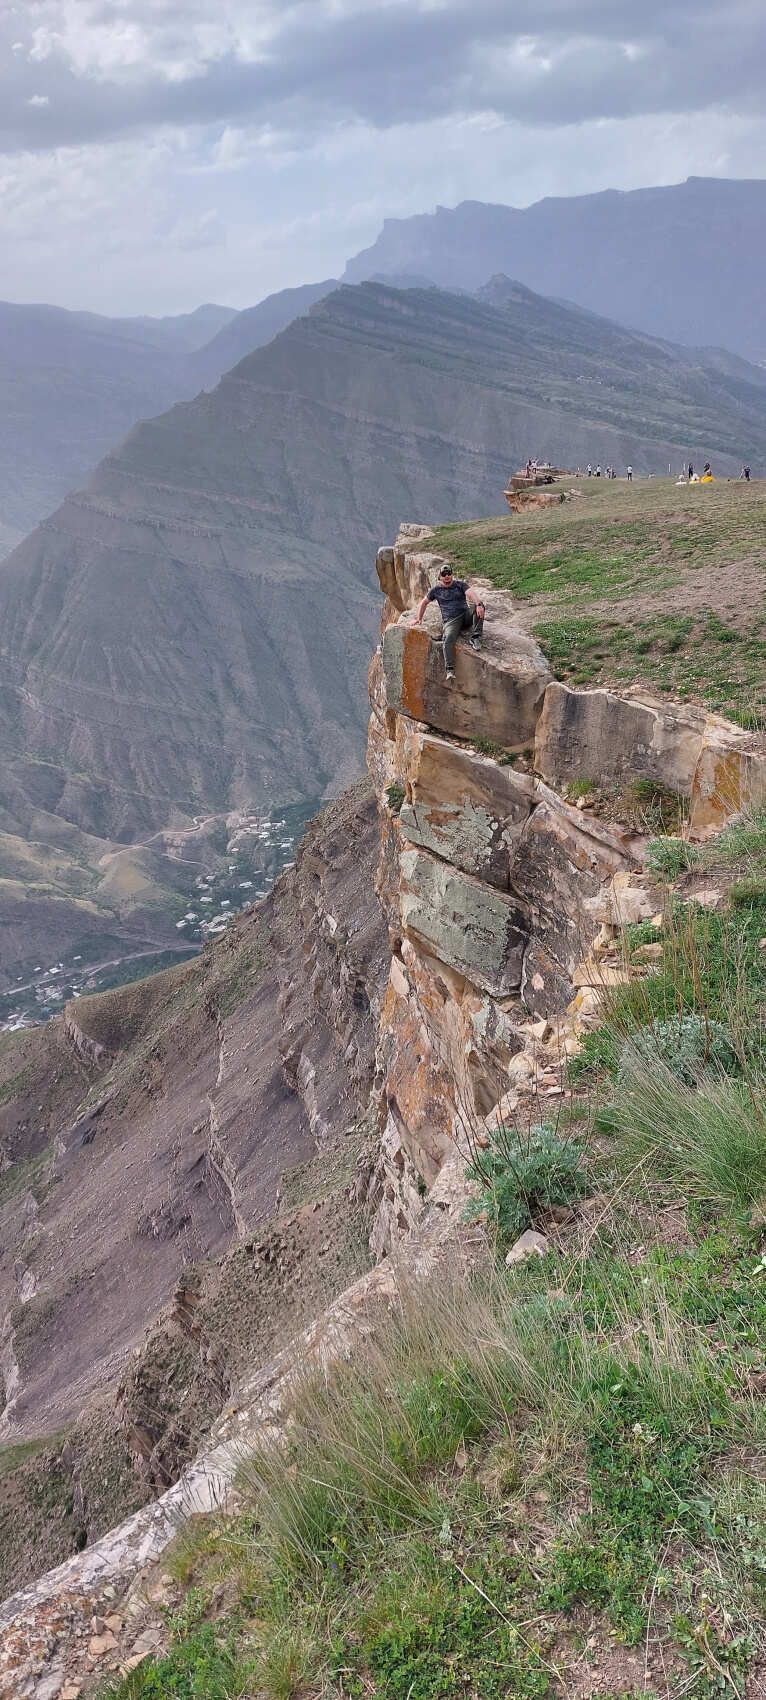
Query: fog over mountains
{"points": [[683, 263], [72, 385]]}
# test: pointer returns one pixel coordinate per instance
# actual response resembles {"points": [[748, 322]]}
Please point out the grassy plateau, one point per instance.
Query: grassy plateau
{"points": [[648, 582]]}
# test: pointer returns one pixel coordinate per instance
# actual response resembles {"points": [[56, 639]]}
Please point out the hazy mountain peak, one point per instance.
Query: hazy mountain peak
{"points": [[683, 262]]}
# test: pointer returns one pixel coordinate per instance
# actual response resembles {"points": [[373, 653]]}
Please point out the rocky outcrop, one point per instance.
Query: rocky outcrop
{"points": [[499, 893], [497, 695], [47, 1639]]}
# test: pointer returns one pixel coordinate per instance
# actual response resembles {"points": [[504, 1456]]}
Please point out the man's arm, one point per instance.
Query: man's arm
{"points": [[476, 600], [422, 608]]}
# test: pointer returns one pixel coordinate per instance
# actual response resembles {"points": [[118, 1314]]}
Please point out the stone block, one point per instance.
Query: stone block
{"points": [[563, 862], [463, 806], [497, 692], [730, 777], [405, 574], [529, 1244], [629, 897], [472, 927], [613, 740]]}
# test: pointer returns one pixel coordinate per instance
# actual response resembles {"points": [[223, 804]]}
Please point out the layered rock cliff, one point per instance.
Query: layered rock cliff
{"points": [[503, 898], [426, 976]]}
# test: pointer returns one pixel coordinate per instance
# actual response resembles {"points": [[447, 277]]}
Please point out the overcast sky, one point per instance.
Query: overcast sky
{"points": [[158, 153]]}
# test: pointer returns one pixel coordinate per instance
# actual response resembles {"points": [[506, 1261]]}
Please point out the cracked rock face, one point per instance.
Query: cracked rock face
{"points": [[465, 923], [462, 805], [497, 693], [494, 886]]}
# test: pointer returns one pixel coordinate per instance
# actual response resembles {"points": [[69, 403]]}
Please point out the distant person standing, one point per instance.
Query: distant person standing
{"points": [[598, 470], [589, 470], [745, 474], [630, 475], [691, 472]]}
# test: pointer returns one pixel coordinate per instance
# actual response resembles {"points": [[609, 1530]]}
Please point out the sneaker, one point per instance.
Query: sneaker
{"points": [[449, 675], [474, 643]]}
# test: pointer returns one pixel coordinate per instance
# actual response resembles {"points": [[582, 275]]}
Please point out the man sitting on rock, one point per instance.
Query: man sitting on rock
{"points": [[460, 609]]}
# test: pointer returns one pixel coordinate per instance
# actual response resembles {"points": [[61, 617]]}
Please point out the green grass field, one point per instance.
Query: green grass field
{"points": [[641, 583]]}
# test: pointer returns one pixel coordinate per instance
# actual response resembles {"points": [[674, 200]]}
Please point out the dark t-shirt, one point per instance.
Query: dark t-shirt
{"points": [[450, 597]]}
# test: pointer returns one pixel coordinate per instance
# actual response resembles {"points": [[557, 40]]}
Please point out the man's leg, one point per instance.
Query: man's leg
{"points": [[477, 629], [449, 636]]}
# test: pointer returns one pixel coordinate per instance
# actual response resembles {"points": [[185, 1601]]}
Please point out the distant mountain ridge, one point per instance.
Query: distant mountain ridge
{"points": [[255, 326], [684, 262], [71, 385], [192, 629], [190, 634]]}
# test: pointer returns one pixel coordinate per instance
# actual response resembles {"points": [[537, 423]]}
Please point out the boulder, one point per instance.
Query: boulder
{"points": [[497, 692], [462, 806], [630, 897], [405, 574], [529, 1244], [614, 740], [730, 776], [469, 925]]}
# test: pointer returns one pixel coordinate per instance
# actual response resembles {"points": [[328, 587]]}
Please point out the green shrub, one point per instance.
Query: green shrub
{"points": [[395, 795], [741, 846], [689, 1047], [670, 857], [522, 1173], [655, 806], [749, 893], [598, 1054]]}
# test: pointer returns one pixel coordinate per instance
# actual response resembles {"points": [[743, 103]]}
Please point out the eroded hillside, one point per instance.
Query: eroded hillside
{"points": [[163, 1193]]}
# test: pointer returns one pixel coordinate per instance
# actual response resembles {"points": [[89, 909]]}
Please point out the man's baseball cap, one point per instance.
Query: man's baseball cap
{"points": [[445, 571]]}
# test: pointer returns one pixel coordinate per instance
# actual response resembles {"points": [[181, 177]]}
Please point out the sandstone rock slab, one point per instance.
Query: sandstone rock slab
{"points": [[469, 925], [405, 574], [614, 740], [497, 692], [528, 1244], [463, 806], [730, 777], [563, 862]]}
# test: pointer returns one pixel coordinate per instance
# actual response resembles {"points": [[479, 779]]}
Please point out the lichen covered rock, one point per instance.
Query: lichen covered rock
{"points": [[467, 924], [463, 806]]}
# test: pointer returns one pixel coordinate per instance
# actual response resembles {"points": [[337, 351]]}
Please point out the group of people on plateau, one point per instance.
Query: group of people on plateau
{"points": [[461, 609]]}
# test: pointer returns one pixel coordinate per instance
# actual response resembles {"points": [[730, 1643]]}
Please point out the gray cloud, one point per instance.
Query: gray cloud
{"points": [[154, 153], [80, 71]]}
